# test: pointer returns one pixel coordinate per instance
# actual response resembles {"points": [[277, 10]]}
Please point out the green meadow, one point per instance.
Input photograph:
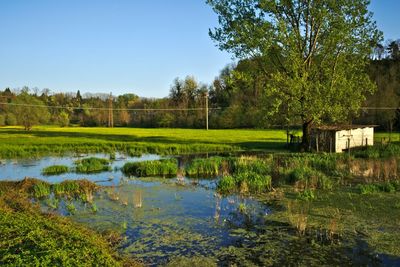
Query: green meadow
{"points": [[46, 140]]}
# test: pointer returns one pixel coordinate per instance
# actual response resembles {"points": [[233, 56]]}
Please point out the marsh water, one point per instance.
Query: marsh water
{"points": [[161, 218]]}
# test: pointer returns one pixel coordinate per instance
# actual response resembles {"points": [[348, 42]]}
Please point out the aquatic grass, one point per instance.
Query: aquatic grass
{"points": [[55, 169], [388, 187], [92, 165], [41, 189], [249, 182], [75, 189], [262, 166], [307, 194], [70, 206], [163, 167], [204, 167]]}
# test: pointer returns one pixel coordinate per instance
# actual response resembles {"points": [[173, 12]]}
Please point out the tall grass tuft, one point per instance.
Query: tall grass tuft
{"points": [[245, 182], [91, 165], [41, 189], [55, 169], [77, 189], [163, 167], [204, 167]]}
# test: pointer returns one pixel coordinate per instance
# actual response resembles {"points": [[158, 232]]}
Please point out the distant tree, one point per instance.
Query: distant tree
{"points": [[11, 120], [313, 53], [2, 120], [29, 110], [393, 49], [63, 119]]}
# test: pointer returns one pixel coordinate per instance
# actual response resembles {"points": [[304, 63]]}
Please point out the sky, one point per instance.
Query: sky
{"points": [[124, 46]]}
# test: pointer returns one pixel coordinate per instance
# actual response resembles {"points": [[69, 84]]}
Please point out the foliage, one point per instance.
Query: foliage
{"points": [[55, 169], [90, 165], [11, 119], [29, 110], [2, 120], [63, 119], [313, 55], [164, 167]]}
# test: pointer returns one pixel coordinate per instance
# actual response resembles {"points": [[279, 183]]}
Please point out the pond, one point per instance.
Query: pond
{"points": [[19, 168], [159, 218]]}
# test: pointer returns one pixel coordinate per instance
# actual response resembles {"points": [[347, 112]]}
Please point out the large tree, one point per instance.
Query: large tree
{"points": [[313, 52]]}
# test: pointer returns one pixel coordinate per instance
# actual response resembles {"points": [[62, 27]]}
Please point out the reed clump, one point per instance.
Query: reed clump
{"points": [[92, 165], [55, 169], [41, 189], [208, 167], [248, 182], [75, 189], [163, 167]]}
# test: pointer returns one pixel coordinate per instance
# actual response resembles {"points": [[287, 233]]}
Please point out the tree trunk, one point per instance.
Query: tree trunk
{"points": [[306, 139]]}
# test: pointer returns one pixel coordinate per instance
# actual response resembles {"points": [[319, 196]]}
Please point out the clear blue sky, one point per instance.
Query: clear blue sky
{"points": [[124, 46]]}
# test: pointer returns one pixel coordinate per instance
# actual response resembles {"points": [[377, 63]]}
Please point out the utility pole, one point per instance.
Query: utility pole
{"points": [[206, 96], [110, 112]]}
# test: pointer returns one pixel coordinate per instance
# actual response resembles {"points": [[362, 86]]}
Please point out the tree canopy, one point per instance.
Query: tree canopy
{"points": [[313, 53]]}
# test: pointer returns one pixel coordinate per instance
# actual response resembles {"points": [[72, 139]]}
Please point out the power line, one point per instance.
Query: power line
{"points": [[107, 108], [380, 108]]}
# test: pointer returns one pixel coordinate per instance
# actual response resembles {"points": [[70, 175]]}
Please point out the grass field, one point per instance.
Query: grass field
{"points": [[42, 140]]}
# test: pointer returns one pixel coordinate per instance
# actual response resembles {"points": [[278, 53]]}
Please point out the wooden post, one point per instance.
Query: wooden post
{"points": [[316, 143], [348, 145], [206, 96], [110, 112]]}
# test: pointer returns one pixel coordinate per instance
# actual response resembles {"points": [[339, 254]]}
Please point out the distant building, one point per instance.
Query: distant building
{"points": [[341, 137]]}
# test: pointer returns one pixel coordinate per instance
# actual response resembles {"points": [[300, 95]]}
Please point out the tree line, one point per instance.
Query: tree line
{"points": [[237, 99]]}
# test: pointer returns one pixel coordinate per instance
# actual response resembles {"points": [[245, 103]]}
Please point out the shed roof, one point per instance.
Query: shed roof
{"points": [[341, 127]]}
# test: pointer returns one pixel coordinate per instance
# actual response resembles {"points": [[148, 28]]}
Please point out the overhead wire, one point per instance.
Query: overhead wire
{"points": [[106, 108]]}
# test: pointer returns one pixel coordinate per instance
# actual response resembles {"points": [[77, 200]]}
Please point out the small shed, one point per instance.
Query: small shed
{"points": [[337, 138]]}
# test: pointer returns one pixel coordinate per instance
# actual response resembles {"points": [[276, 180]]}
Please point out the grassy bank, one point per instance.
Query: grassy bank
{"points": [[15, 142], [29, 237]]}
